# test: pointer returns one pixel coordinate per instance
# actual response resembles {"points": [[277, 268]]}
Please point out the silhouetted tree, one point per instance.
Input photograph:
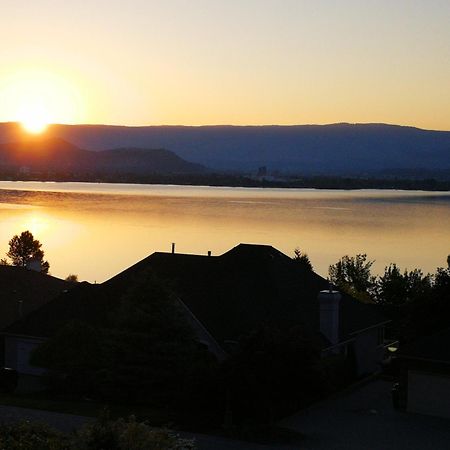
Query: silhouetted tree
{"points": [[302, 259], [396, 288], [72, 278], [391, 286], [25, 248], [442, 280], [352, 275]]}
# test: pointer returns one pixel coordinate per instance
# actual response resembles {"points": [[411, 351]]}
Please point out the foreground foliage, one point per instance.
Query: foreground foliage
{"points": [[32, 436], [127, 435], [104, 434]]}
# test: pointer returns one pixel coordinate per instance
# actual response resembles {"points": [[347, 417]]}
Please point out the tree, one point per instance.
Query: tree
{"points": [[72, 278], [391, 286], [395, 288], [302, 259], [25, 248], [352, 274]]}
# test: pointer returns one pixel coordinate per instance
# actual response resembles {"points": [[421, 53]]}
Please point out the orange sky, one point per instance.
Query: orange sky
{"points": [[226, 62]]}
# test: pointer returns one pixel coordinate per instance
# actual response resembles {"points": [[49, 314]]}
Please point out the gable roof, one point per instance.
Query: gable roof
{"points": [[230, 294], [23, 291]]}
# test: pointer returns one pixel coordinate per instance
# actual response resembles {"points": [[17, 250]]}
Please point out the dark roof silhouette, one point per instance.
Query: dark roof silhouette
{"points": [[231, 294], [23, 291]]}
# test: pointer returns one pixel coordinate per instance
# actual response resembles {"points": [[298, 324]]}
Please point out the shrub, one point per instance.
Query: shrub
{"points": [[32, 436], [104, 434], [128, 435]]}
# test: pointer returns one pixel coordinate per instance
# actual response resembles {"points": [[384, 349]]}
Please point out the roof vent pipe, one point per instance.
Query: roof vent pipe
{"points": [[173, 248]]}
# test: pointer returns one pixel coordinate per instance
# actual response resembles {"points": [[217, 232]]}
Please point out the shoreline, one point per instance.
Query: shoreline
{"points": [[316, 183]]}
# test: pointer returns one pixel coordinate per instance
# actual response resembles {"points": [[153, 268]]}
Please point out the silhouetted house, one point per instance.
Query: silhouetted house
{"points": [[228, 296], [22, 292], [425, 374]]}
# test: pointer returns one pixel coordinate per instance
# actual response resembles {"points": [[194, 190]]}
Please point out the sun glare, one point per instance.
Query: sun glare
{"points": [[36, 98], [34, 119]]}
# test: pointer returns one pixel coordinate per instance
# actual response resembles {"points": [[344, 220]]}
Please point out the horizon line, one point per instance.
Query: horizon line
{"points": [[224, 125]]}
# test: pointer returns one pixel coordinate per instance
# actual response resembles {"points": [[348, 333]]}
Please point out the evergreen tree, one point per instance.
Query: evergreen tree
{"points": [[302, 259]]}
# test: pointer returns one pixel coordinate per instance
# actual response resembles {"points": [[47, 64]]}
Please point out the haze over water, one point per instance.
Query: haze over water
{"points": [[97, 230]]}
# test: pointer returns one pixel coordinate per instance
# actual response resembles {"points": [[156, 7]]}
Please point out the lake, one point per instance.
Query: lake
{"points": [[97, 230]]}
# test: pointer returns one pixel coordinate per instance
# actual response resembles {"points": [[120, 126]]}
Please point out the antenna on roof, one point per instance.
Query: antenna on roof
{"points": [[173, 248]]}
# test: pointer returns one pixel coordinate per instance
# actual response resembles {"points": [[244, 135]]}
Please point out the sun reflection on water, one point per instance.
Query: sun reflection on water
{"points": [[97, 235]]}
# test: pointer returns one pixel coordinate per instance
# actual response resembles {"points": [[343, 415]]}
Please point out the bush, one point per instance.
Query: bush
{"points": [[32, 436], [104, 434], [128, 435]]}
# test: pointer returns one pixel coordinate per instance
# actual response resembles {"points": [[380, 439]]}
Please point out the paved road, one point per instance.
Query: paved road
{"points": [[363, 419]]}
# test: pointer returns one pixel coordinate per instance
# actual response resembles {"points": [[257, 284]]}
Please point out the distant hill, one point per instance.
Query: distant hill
{"points": [[339, 149], [331, 149], [55, 154]]}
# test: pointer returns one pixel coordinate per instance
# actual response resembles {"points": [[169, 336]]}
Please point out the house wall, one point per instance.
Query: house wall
{"points": [[369, 351], [428, 393], [17, 354]]}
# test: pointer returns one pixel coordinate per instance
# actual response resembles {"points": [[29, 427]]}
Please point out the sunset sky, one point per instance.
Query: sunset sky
{"points": [[196, 62]]}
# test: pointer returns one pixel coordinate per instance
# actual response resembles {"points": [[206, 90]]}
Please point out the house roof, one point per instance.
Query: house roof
{"points": [[435, 347], [231, 294], [23, 291]]}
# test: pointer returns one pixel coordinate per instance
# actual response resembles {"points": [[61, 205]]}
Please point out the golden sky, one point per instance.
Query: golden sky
{"points": [[198, 62]]}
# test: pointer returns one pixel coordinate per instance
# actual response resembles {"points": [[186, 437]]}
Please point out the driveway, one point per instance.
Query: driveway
{"points": [[363, 418]]}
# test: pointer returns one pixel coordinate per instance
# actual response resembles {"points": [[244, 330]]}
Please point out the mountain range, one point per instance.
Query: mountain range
{"points": [[338, 149]]}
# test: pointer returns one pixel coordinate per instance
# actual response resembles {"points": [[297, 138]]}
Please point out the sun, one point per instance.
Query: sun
{"points": [[34, 126], [36, 98], [34, 119]]}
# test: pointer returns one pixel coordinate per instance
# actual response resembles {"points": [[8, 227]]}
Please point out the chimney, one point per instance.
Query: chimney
{"points": [[329, 301], [173, 248], [209, 252]]}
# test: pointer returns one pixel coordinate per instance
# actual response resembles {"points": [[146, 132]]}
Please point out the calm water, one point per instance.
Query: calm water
{"points": [[97, 230]]}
